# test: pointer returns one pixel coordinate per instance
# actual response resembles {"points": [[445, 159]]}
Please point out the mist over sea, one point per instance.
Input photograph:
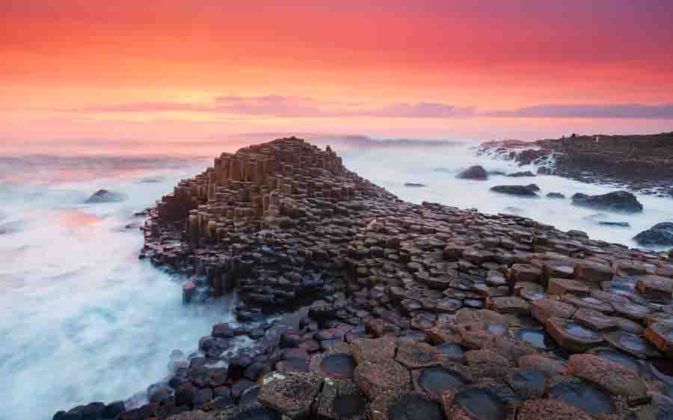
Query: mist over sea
{"points": [[83, 319]]}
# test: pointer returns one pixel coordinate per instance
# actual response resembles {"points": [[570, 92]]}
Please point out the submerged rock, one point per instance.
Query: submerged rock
{"points": [[520, 190], [660, 234], [620, 201], [105, 196], [414, 185], [521, 174], [474, 172], [615, 224], [555, 195]]}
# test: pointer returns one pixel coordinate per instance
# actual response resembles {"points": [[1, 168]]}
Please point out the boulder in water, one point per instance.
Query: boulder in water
{"points": [[520, 190], [622, 201], [105, 196], [414, 185], [660, 234], [474, 172], [555, 195]]}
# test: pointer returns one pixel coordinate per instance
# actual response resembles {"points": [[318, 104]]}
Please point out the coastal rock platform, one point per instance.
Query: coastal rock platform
{"points": [[361, 305], [640, 162]]}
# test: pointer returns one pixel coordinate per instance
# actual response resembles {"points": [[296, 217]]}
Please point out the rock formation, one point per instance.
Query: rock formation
{"points": [[400, 310], [638, 161]]}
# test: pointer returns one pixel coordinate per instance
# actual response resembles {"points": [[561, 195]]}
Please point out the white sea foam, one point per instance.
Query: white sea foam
{"points": [[81, 318]]}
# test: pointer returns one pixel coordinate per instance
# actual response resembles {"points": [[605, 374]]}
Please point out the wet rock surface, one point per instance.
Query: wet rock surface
{"points": [[358, 305]]}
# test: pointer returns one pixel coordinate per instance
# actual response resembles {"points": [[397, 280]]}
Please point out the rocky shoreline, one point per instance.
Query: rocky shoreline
{"points": [[638, 162], [360, 305]]}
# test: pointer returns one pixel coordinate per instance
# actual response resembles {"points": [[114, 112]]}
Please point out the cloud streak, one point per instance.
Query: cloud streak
{"points": [[306, 107], [625, 111]]}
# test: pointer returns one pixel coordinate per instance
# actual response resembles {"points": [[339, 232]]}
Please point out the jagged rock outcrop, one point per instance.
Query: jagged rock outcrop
{"points": [[403, 308]]}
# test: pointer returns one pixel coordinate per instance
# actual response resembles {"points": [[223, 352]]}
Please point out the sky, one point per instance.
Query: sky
{"points": [[168, 70]]}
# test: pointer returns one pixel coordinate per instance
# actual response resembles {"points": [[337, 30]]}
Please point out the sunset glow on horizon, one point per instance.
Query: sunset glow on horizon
{"points": [[206, 69]]}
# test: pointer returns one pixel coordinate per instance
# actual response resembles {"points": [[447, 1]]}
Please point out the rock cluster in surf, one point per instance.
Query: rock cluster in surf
{"points": [[400, 310]]}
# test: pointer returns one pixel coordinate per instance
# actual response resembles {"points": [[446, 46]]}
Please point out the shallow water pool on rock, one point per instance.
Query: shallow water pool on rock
{"points": [[583, 395], [480, 403], [436, 380]]}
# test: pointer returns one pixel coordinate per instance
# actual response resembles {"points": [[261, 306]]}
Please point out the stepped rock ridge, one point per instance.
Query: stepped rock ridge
{"points": [[392, 310]]}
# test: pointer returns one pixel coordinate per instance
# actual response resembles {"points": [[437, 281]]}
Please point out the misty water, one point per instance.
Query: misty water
{"points": [[83, 319]]}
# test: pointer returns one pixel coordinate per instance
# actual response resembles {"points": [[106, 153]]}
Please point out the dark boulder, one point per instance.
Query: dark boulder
{"points": [[660, 234], [555, 195], [520, 190], [414, 185], [474, 172], [622, 201], [105, 196]]}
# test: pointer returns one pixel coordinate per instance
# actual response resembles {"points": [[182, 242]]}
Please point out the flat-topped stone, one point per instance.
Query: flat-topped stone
{"points": [[380, 377], [509, 305], [557, 286], [611, 376], [592, 272], [543, 309], [290, 393], [657, 288], [373, 349], [417, 355], [660, 334]]}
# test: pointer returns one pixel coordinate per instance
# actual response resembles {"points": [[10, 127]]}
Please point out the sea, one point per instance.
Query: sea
{"points": [[83, 319]]}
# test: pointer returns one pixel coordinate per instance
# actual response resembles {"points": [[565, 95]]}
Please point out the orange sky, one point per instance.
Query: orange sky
{"points": [[85, 69]]}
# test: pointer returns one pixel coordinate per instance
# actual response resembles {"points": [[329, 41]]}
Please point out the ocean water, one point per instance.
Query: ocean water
{"points": [[437, 166], [82, 319]]}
